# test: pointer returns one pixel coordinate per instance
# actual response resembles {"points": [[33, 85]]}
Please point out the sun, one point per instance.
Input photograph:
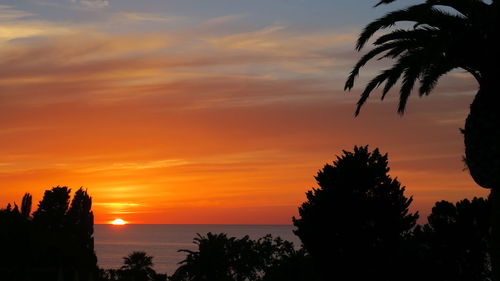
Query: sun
{"points": [[118, 222]]}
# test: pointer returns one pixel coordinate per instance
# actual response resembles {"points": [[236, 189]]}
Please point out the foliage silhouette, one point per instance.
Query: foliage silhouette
{"points": [[55, 243], [14, 243], [225, 258], [109, 274], [464, 35], [454, 242], [297, 266], [52, 209], [26, 205], [137, 266], [354, 224]]}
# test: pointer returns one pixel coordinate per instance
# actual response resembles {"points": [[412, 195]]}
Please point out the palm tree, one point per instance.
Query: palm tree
{"points": [[139, 266], [214, 260], [447, 34]]}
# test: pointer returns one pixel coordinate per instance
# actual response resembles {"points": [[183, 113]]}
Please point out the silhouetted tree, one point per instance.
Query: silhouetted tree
{"points": [[464, 35], [26, 205], [15, 244], [80, 224], [230, 259], [214, 259], [354, 224], [52, 243], [456, 241], [296, 266], [52, 209], [137, 266], [57, 242], [109, 274]]}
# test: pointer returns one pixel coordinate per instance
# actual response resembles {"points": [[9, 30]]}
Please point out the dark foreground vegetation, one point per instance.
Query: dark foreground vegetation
{"points": [[356, 225], [426, 41], [54, 243], [137, 266]]}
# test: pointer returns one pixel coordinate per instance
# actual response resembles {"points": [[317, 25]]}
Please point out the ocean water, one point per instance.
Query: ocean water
{"points": [[162, 241]]}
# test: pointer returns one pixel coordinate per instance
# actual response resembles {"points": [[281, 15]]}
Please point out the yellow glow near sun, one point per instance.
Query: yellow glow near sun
{"points": [[118, 222]]}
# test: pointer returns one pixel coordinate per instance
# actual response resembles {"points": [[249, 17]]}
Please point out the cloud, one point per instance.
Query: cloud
{"points": [[18, 24], [236, 116], [9, 13], [117, 204], [223, 20], [256, 40], [118, 208], [149, 58], [127, 166], [91, 3], [281, 39], [28, 29], [147, 17]]}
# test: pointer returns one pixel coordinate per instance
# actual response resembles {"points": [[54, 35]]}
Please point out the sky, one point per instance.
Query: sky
{"points": [[212, 112]]}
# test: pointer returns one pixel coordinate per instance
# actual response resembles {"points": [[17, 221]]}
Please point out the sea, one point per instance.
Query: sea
{"points": [[162, 241]]}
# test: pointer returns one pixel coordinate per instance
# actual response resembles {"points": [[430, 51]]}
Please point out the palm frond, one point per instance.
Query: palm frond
{"points": [[374, 83], [396, 72], [423, 14], [405, 66], [465, 7], [423, 33], [395, 43], [432, 74], [440, 40], [402, 41], [368, 56], [410, 76], [395, 52], [469, 8], [384, 2]]}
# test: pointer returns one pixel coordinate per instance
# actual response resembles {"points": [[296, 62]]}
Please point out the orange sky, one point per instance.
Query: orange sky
{"points": [[212, 121]]}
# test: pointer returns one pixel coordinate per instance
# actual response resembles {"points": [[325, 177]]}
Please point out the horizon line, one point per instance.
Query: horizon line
{"points": [[194, 224]]}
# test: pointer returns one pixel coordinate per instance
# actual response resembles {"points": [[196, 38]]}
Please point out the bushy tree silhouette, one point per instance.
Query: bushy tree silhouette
{"points": [[356, 220], [297, 266], [455, 240], [26, 205], [56, 242], [52, 209], [80, 228], [15, 241], [465, 34], [230, 259]]}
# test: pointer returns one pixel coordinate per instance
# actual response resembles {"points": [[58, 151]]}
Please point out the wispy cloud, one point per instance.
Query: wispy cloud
{"points": [[119, 208], [116, 204], [125, 167], [11, 27], [151, 58], [154, 112], [10, 13], [91, 3], [223, 20], [147, 17]]}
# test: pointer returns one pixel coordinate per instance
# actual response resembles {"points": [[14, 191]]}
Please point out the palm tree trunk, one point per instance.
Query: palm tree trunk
{"points": [[482, 155]]}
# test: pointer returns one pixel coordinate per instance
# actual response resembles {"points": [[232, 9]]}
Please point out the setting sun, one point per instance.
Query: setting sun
{"points": [[118, 222]]}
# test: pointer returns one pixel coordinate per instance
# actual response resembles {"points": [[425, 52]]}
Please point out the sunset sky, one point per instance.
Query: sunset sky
{"points": [[196, 111]]}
